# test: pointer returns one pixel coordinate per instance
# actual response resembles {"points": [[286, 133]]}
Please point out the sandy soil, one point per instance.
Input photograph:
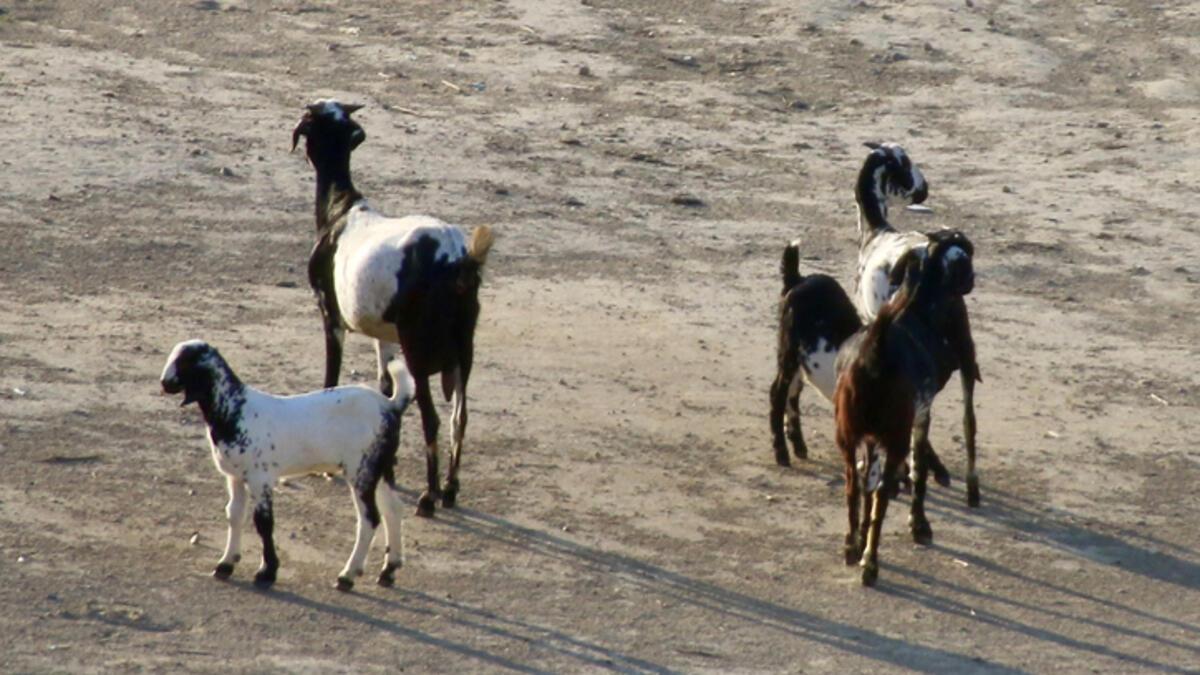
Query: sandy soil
{"points": [[620, 507]]}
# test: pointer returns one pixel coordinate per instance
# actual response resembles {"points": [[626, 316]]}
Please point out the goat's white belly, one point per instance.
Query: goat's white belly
{"points": [[820, 369]]}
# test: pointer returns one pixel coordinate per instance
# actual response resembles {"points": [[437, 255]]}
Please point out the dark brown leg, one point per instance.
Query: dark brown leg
{"points": [[922, 533], [778, 399], [795, 435], [429, 423], [879, 504], [853, 545]]}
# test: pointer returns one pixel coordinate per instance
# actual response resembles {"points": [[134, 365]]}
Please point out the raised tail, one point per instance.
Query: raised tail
{"points": [[403, 385], [789, 266], [870, 352], [481, 243]]}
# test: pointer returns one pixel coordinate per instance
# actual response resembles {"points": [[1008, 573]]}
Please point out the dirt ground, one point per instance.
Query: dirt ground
{"points": [[621, 509]]}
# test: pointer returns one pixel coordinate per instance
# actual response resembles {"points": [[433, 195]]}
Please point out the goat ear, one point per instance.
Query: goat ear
{"points": [[873, 145], [357, 137], [300, 130]]}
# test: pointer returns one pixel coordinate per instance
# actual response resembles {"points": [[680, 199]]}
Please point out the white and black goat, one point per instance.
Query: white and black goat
{"points": [[888, 375], [888, 172], [410, 283], [258, 438]]}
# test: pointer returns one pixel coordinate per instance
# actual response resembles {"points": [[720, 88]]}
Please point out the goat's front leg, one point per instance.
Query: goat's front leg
{"points": [[235, 513], [429, 423], [879, 503], [264, 522], [335, 335], [922, 533], [968, 391], [384, 353], [458, 426], [367, 510], [853, 545]]}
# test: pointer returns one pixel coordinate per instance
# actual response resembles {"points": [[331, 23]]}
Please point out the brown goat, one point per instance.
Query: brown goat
{"points": [[888, 377]]}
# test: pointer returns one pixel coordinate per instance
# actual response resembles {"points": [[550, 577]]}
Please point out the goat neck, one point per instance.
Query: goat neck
{"points": [[220, 395], [871, 198], [335, 192]]}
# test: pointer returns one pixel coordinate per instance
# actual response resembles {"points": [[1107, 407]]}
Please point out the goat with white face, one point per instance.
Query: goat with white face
{"points": [[410, 283], [888, 172], [258, 438]]}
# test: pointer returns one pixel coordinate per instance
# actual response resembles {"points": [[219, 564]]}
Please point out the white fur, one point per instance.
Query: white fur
{"points": [[370, 254], [820, 368], [875, 262]]}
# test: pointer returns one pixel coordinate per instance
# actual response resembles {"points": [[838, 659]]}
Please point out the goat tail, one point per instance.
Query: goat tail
{"points": [[481, 243], [789, 266], [871, 353], [403, 384]]}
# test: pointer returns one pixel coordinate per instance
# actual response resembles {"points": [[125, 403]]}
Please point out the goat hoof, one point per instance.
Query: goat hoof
{"points": [[782, 458], [853, 554], [223, 571], [941, 476], [870, 573], [387, 578], [922, 534], [973, 492], [426, 505], [799, 449], [264, 579], [344, 584], [450, 494]]}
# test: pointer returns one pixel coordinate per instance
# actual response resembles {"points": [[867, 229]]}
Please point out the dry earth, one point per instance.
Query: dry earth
{"points": [[621, 509]]}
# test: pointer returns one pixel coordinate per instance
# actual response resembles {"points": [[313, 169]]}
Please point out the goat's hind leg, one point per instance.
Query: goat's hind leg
{"points": [[779, 390], [389, 505], [235, 512], [794, 432], [264, 522], [852, 549], [427, 502], [455, 381], [367, 510], [879, 504]]}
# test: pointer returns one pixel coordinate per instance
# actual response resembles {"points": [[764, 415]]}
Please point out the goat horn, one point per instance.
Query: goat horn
{"points": [[351, 108], [872, 145]]}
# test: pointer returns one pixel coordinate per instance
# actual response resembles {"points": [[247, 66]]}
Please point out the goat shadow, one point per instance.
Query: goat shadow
{"points": [[655, 580]]}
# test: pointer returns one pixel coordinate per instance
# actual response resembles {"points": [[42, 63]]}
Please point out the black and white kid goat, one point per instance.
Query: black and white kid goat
{"points": [[410, 283], [889, 373], [888, 172], [258, 438]]}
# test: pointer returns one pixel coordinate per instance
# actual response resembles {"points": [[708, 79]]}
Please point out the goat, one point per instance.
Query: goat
{"points": [[816, 316], [410, 283], [258, 438], [888, 171], [888, 376]]}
